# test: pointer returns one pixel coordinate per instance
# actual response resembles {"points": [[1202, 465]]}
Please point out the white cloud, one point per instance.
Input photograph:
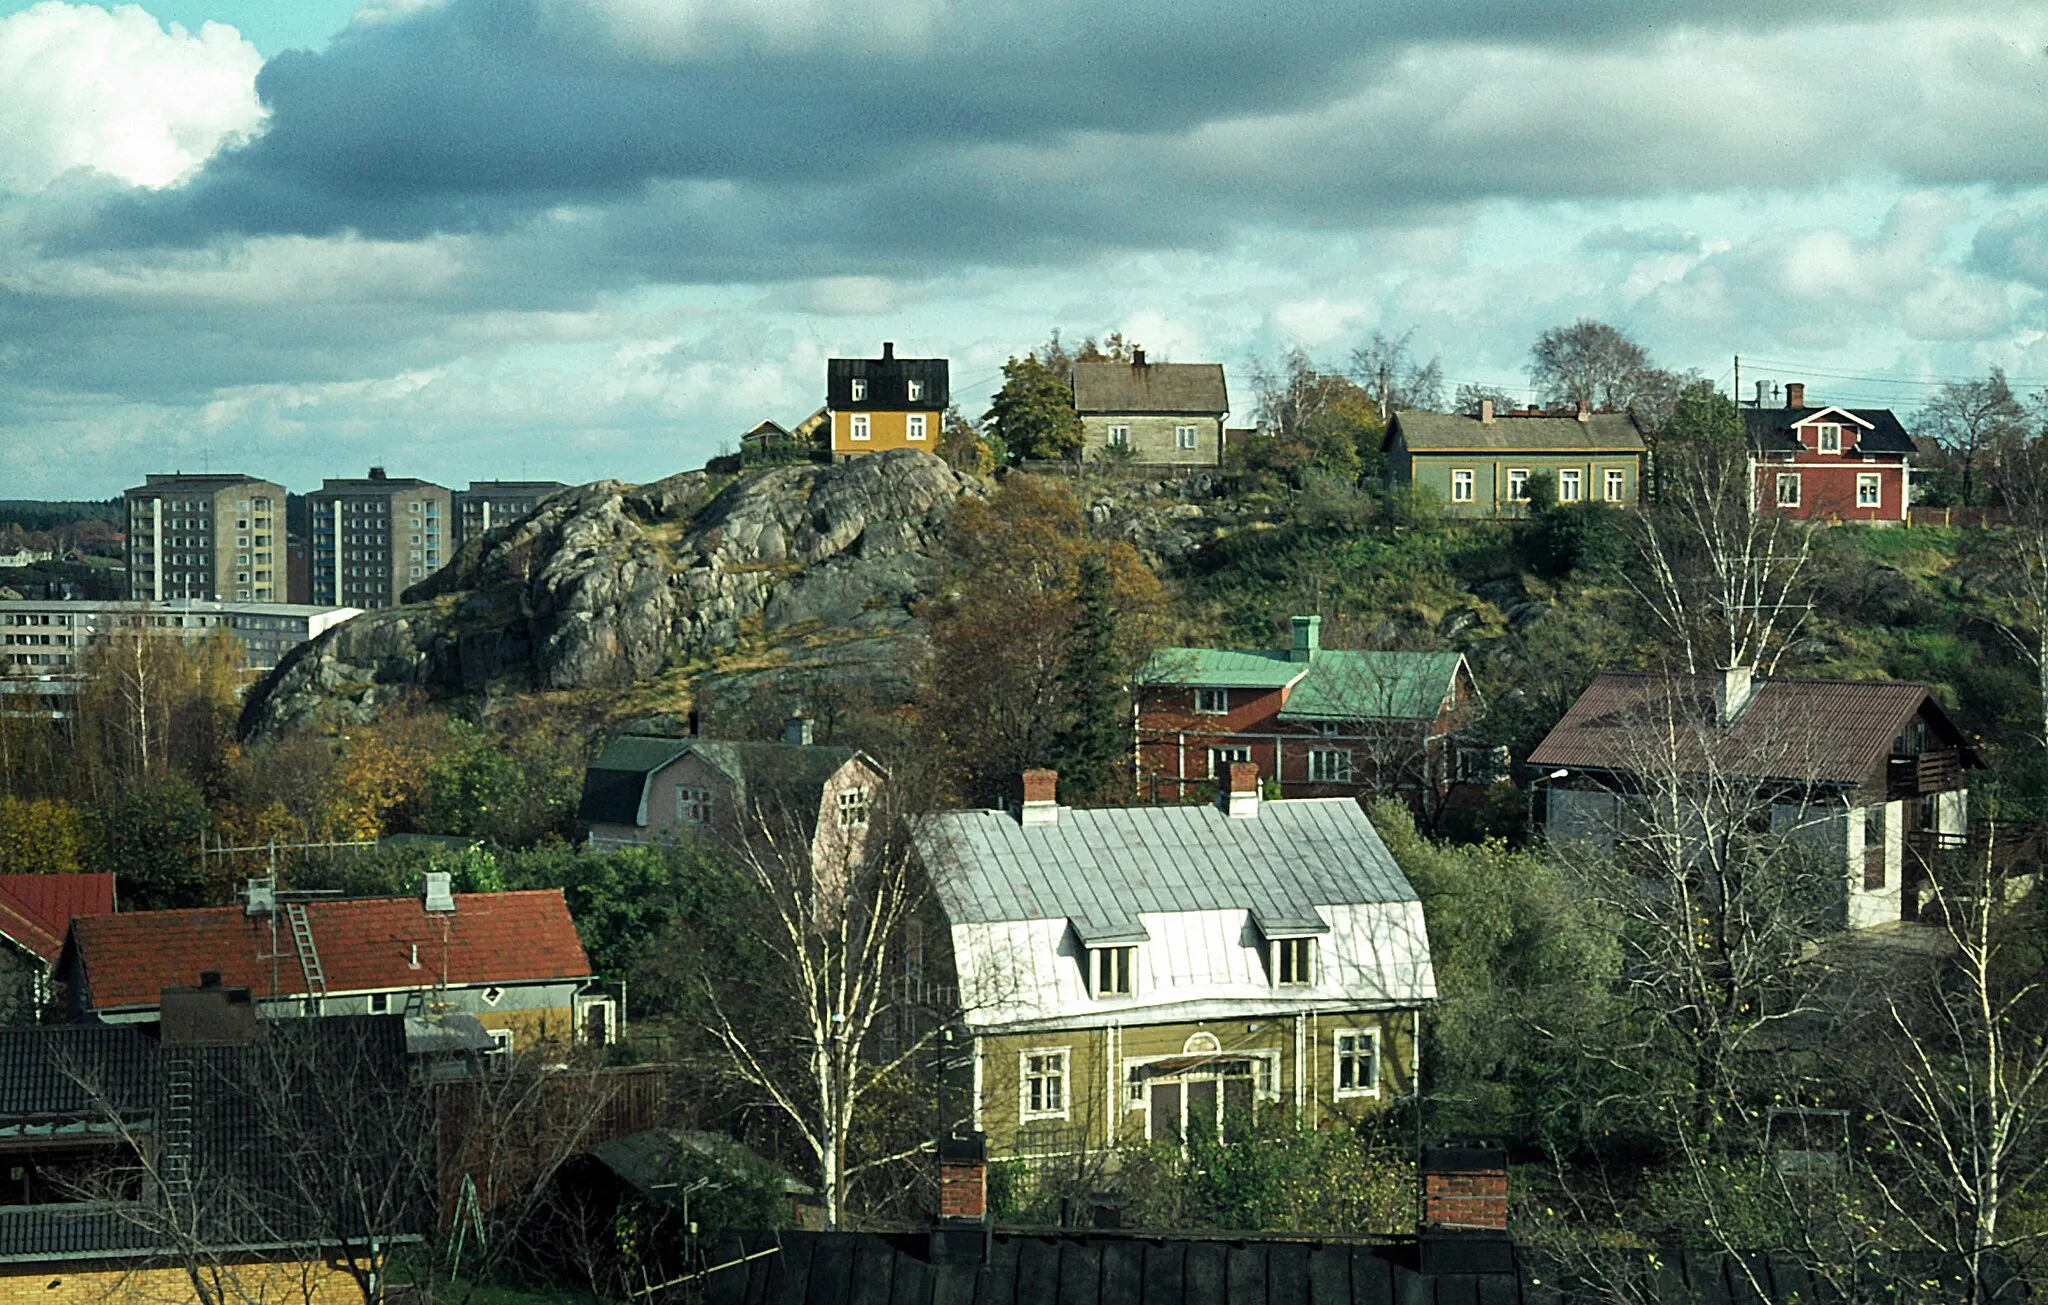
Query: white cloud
{"points": [[114, 92]]}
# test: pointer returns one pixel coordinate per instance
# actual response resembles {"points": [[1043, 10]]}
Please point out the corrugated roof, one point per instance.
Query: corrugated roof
{"points": [[1195, 389], [363, 943], [1434, 432], [1770, 429], [765, 776], [1814, 731], [1232, 668]]}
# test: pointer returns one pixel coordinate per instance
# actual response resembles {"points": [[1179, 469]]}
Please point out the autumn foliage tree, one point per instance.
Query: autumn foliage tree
{"points": [[1039, 627]]}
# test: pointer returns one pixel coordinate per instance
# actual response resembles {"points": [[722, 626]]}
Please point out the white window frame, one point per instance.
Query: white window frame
{"points": [[1206, 705], [1226, 755], [1518, 485], [1329, 765], [1185, 437], [1617, 484], [1118, 437], [1873, 482], [502, 1045], [857, 389], [1463, 482], [860, 428], [1050, 1078], [1827, 439], [913, 426], [1787, 480], [1570, 484], [1103, 966], [1364, 1043], [693, 805], [851, 807], [914, 391], [1293, 961], [380, 1003]]}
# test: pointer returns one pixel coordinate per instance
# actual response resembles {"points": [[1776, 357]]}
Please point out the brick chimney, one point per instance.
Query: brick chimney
{"points": [[1137, 357], [1585, 411], [888, 350], [1465, 1209], [1241, 791], [1486, 412], [1041, 798], [963, 1179], [1795, 394]]}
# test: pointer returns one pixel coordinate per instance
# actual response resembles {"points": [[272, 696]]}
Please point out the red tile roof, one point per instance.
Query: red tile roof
{"points": [[35, 910], [364, 943], [1826, 731]]}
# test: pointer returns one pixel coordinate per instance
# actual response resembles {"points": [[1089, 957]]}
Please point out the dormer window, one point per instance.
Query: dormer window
{"points": [[859, 390], [1293, 962], [1115, 970], [916, 391], [1828, 438]]}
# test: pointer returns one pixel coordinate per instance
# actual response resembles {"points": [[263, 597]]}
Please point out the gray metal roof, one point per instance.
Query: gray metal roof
{"points": [[1450, 432], [1102, 868]]}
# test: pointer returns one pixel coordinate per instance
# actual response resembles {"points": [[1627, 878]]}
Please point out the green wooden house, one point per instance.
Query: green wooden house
{"points": [[1480, 466]]}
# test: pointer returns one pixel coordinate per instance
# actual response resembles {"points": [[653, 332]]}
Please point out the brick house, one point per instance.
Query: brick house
{"points": [[1874, 772], [1321, 722], [1162, 972], [1829, 463]]}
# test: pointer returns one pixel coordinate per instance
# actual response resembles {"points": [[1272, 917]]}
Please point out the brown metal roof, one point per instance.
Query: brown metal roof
{"points": [[1193, 388], [1814, 731], [1450, 432]]}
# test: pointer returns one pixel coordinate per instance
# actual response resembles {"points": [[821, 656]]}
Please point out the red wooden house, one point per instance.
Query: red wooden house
{"points": [[1830, 463], [1322, 722]]}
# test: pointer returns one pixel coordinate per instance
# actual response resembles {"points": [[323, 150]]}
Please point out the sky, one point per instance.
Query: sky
{"points": [[574, 239]]}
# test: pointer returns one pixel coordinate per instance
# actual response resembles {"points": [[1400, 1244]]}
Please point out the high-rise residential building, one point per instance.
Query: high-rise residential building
{"points": [[218, 537], [488, 503], [374, 538]]}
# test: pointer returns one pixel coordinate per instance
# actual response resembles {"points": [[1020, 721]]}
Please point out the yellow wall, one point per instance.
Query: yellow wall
{"points": [[305, 1283], [532, 1028], [885, 430], [1098, 1111]]}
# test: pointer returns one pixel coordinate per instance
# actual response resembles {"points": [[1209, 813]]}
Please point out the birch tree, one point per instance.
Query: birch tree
{"points": [[2015, 579], [1722, 578]]}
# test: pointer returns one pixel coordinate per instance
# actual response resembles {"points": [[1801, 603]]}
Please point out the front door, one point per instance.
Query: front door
{"points": [[1201, 1110]]}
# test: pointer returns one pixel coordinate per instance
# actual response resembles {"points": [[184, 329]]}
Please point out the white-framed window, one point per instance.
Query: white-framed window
{"points": [[501, 1045], [1333, 729], [913, 426], [1220, 760], [1329, 765], [860, 426], [852, 805], [1119, 437], [1617, 484], [1869, 489], [1042, 1083], [1114, 971], [693, 805], [1788, 489], [1212, 702], [1357, 1070], [1294, 962], [1462, 480], [1518, 486], [1184, 437], [1570, 485], [1828, 439], [858, 389], [380, 1003], [914, 391]]}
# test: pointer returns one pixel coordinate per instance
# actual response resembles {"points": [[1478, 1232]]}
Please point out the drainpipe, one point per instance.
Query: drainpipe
{"points": [[1300, 1063]]}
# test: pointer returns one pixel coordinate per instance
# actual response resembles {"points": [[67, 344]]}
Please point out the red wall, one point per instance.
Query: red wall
{"points": [[1827, 485]]}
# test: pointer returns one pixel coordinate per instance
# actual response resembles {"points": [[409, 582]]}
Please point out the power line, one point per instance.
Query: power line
{"points": [[1867, 378]]}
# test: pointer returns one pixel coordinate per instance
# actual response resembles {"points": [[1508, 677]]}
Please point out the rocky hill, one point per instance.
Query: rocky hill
{"points": [[607, 585]]}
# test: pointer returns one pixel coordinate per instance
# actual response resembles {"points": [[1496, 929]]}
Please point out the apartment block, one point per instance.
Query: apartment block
{"points": [[209, 537], [373, 538], [488, 503]]}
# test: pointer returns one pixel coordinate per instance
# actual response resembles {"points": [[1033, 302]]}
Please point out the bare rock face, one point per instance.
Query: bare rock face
{"points": [[603, 585]]}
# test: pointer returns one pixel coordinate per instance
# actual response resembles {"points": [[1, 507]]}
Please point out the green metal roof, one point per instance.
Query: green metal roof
{"points": [[1222, 668], [1335, 685], [1343, 685]]}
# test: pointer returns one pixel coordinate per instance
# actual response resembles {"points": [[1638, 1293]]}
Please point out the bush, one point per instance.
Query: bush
{"points": [[1558, 540]]}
